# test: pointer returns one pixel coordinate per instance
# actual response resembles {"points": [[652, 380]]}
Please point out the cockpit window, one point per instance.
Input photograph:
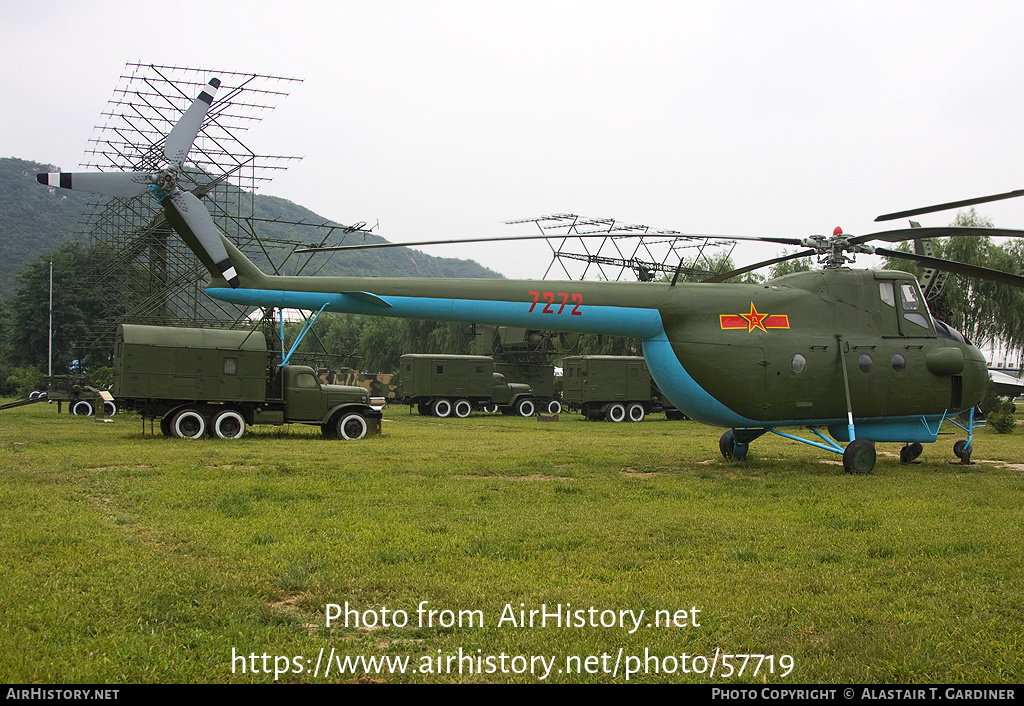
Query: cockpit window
{"points": [[913, 311], [908, 296]]}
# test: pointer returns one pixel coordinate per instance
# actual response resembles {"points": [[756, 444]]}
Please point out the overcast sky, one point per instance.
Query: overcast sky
{"points": [[447, 118]]}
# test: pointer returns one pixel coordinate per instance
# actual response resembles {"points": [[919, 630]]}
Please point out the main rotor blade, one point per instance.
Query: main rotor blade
{"points": [[758, 265], [122, 184], [951, 204], [183, 134], [959, 268], [904, 234], [367, 246], [198, 220]]}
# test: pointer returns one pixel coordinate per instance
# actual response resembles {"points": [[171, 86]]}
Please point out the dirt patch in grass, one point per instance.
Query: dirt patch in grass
{"points": [[141, 467], [491, 475]]}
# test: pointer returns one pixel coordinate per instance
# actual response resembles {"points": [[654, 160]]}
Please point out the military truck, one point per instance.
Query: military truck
{"points": [[616, 388], [446, 385], [199, 381]]}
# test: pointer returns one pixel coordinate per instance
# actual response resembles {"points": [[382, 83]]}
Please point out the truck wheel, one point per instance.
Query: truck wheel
{"points": [[188, 424], [525, 407], [442, 409], [490, 408], [616, 412], [82, 408], [109, 408], [351, 426], [463, 408], [554, 407], [637, 412], [228, 424]]}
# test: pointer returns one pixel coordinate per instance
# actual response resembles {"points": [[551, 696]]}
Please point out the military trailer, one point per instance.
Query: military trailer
{"points": [[199, 381], [446, 385], [83, 399], [616, 388]]}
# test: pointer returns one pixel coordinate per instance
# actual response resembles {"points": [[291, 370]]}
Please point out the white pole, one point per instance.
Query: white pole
{"points": [[49, 363]]}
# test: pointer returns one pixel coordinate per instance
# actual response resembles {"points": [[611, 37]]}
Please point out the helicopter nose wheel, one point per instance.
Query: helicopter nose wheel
{"points": [[909, 452], [962, 449], [859, 456]]}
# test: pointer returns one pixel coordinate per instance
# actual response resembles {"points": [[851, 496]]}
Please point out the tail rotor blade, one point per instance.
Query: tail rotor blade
{"points": [[122, 184], [198, 220], [183, 134]]}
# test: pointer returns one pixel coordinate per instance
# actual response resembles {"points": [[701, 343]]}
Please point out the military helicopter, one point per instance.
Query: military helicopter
{"points": [[855, 353]]}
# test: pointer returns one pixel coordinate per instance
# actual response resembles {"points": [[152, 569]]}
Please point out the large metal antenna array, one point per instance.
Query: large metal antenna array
{"points": [[157, 277], [630, 252]]}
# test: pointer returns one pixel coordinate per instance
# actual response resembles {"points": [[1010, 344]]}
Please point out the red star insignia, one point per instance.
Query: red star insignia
{"points": [[754, 319]]}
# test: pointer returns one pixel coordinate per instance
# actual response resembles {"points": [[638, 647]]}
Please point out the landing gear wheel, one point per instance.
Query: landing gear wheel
{"points": [[909, 452], [228, 424], [554, 407], [637, 412], [525, 408], [109, 408], [188, 424], [82, 408], [442, 409], [727, 444], [616, 412], [859, 456], [463, 408], [963, 450], [351, 426]]}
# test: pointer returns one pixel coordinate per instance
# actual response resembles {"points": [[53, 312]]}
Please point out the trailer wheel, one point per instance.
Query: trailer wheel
{"points": [[34, 394], [554, 407], [463, 408], [442, 408], [82, 408], [228, 424], [351, 426], [525, 407], [188, 424], [637, 412], [616, 412], [109, 408]]}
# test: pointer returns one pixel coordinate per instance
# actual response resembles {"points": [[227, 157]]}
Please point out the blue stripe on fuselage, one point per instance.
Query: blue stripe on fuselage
{"points": [[634, 322], [683, 391]]}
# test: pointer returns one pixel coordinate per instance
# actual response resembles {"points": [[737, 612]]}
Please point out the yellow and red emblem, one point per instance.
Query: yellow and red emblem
{"points": [[754, 320]]}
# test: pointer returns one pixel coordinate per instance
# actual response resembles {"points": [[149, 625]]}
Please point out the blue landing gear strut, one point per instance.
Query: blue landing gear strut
{"points": [[963, 448]]}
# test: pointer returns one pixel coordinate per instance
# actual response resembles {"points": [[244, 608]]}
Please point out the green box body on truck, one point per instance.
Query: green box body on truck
{"points": [[199, 381], [455, 385], [616, 388]]}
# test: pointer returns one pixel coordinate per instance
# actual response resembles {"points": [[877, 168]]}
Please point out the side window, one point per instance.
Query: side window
{"points": [[440, 370], [885, 291], [306, 380]]}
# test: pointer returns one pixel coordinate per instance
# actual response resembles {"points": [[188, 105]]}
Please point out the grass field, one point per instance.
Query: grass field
{"points": [[135, 559]]}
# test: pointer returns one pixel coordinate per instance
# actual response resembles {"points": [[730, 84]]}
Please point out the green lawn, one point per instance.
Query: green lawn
{"points": [[135, 559]]}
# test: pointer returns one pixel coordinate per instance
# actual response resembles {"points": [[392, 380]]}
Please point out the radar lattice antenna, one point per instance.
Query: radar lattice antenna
{"points": [[630, 252]]}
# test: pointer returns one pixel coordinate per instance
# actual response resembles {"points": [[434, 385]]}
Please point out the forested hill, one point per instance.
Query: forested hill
{"points": [[35, 220]]}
